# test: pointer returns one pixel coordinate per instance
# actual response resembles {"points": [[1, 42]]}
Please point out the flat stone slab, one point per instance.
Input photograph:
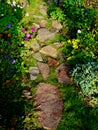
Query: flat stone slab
{"points": [[42, 23], [49, 105], [49, 51], [44, 34], [34, 71], [35, 46], [38, 16], [62, 73], [44, 69], [52, 62], [57, 25], [58, 44], [37, 56]]}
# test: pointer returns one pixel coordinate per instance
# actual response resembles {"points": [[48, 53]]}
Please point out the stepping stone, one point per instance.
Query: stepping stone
{"points": [[34, 71], [49, 51], [49, 105], [35, 46], [42, 23], [58, 44], [44, 69], [52, 62], [43, 9], [62, 73], [36, 25], [38, 16], [44, 34], [38, 56], [56, 25]]}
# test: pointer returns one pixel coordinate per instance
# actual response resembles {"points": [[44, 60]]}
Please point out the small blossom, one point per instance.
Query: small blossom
{"points": [[27, 14], [86, 11], [15, 10], [2, 14], [9, 26], [19, 6], [13, 61], [26, 38], [23, 30], [13, 3], [79, 31], [28, 35], [7, 56], [10, 70], [33, 29], [8, 44]]}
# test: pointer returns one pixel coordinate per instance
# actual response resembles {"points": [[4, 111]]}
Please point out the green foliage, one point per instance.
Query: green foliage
{"points": [[86, 76], [77, 16], [57, 14], [82, 49], [76, 115]]}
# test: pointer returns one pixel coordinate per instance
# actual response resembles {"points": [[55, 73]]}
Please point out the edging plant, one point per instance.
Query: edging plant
{"points": [[86, 77]]}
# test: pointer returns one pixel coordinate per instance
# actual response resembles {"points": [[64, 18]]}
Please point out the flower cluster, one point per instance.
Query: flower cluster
{"points": [[28, 33]]}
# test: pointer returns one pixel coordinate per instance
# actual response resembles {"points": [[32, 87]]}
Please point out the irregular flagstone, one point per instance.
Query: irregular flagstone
{"points": [[35, 46], [43, 10], [44, 34], [49, 105], [38, 16], [57, 25], [62, 73], [52, 62], [42, 23], [38, 56], [49, 50], [44, 69], [58, 44], [34, 71]]}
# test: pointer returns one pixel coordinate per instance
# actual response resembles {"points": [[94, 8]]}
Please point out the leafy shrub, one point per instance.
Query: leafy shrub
{"points": [[82, 49], [56, 13], [86, 76], [77, 16]]}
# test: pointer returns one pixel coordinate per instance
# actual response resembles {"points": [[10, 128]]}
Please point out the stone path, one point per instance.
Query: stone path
{"points": [[49, 104]]}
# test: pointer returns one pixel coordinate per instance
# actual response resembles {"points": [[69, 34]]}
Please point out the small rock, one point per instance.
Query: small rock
{"points": [[58, 44], [44, 69], [38, 16], [62, 73], [35, 46], [49, 51], [44, 34], [52, 62], [42, 23], [49, 105], [36, 25], [38, 56], [34, 71], [56, 25], [43, 9]]}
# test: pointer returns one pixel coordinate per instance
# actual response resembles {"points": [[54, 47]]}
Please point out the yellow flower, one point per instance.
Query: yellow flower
{"points": [[69, 41]]}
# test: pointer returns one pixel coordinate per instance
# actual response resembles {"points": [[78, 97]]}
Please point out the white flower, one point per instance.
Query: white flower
{"points": [[2, 14], [79, 31], [27, 14], [14, 3], [15, 10]]}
